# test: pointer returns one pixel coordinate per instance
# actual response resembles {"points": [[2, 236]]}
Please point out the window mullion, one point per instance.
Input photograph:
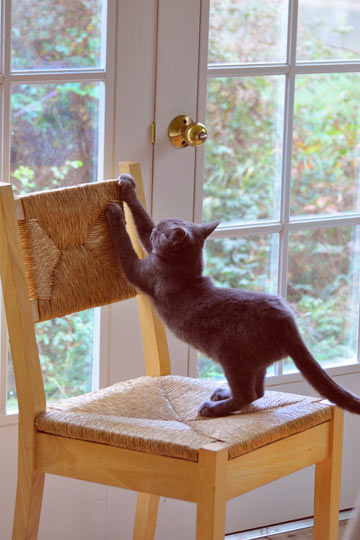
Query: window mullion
{"points": [[303, 68], [5, 103], [287, 155], [106, 169], [324, 221], [5, 175], [57, 76], [287, 145], [246, 70], [309, 68], [107, 95]]}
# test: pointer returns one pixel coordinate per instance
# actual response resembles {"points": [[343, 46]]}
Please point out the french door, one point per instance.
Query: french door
{"points": [[277, 84]]}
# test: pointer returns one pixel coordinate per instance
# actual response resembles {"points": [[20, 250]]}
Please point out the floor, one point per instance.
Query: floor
{"points": [[296, 530]]}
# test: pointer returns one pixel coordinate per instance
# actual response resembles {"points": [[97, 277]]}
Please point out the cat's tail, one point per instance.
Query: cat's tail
{"points": [[321, 381]]}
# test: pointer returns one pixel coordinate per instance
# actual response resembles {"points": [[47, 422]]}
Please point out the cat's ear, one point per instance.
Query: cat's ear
{"points": [[208, 228]]}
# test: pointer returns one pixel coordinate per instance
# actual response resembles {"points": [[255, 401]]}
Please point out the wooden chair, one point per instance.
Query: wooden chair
{"points": [[142, 434]]}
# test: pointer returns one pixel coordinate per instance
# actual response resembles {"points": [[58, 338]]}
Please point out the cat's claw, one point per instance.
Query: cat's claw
{"points": [[220, 394], [114, 214], [128, 186]]}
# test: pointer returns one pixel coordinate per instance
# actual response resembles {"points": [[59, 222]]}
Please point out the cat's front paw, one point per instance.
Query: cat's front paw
{"points": [[207, 409], [114, 215], [128, 186]]}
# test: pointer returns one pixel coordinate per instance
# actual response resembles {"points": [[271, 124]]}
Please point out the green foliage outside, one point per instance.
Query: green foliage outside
{"points": [[247, 31], [54, 135], [66, 354], [49, 34]]}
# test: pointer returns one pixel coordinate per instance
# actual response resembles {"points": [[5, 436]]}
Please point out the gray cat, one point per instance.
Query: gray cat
{"points": [[245, 332]]}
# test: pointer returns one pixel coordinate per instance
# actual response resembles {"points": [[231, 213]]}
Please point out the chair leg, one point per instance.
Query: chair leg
{"points": [[327, 484], [211, 505], [29, 494], [146, 516], [210, 519]]}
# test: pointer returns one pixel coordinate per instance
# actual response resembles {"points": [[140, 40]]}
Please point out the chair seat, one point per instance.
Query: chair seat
{"points": [[159, 415]]}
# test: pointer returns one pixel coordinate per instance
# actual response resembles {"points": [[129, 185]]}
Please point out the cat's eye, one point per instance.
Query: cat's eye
{"points": [[177, 234]]}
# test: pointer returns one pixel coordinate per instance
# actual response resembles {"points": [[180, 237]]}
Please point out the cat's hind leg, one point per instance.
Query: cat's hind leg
{"points": [[224, 392], [259, 383], [242, 392]]}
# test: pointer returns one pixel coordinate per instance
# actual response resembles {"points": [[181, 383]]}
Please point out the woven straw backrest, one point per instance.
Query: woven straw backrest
{"points": [[69, 258]]}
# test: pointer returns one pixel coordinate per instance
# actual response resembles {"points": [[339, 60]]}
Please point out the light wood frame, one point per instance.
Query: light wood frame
{"points": [[209, 482]]}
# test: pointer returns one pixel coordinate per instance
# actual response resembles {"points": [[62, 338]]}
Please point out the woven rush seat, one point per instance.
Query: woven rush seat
{"points": [[159, 415]]}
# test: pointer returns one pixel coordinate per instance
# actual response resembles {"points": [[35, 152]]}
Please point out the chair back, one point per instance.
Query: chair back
{"points": [[69, 258]]}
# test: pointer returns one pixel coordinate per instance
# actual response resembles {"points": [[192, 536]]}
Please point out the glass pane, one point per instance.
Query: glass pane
{"points": [[243, 263], [247, 31], [66, 357], [243, 153], [11, 396], [325, 167], [328, 30], [56, 34], [324, 292], [54, 135]]}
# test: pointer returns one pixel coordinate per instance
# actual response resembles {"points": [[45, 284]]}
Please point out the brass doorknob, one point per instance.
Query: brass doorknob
{"points": [[183, 131]]}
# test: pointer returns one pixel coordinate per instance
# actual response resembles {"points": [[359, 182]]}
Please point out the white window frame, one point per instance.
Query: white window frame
{"points": [[284, 226], [106, 75]]}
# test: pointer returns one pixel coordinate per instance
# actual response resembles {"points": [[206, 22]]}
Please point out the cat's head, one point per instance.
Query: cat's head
{"points": [[173, 237]]}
